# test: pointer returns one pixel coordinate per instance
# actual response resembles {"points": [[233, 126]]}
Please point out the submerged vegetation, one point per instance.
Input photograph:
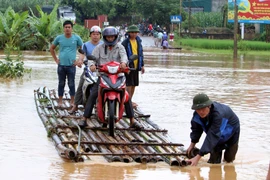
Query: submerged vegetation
{"points": [[13, 66]]}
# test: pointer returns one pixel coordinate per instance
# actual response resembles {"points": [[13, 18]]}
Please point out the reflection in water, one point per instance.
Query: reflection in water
{"points": [[211, 172], [230, 173], [166, 90], [194, 173], [97, 171]]}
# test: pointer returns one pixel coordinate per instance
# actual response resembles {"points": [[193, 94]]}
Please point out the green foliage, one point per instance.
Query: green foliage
{"points": [[81, 31], [89, 9], [12, 66], [41, 30], [32, 32], [11, 27], [24, 5], [29, 31], [261, 37], [208, 19], [44, 100], [224, 44], [130, 11]]}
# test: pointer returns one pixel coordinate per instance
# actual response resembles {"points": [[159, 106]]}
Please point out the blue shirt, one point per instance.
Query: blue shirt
{"points": [[67, 48], [88, 47], [164, 37]]}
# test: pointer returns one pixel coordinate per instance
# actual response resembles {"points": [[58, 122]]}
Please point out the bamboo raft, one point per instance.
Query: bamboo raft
{"points": [[151, 144]]}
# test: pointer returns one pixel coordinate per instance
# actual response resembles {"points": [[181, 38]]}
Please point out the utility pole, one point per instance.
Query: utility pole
{"points": [[189, 16], [180, 12], [235, 30]]}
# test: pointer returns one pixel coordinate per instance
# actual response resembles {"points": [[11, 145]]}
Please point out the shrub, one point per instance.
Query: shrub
{"points": [[12, 66]]}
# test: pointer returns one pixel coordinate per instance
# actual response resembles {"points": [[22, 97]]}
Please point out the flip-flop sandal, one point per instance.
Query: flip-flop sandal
{"points": [[72, 111], [136, 125]]}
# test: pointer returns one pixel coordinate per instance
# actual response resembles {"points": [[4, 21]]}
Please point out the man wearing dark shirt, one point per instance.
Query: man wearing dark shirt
{"points": [[221, 126]]}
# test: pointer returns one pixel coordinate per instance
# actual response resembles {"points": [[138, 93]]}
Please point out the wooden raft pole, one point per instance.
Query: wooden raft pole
{"points": [[119, 129], [124, 143], [147, 145], [134, 154]]}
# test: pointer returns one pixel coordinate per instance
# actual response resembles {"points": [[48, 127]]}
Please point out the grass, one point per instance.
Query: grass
{"points": [[223, 46]]}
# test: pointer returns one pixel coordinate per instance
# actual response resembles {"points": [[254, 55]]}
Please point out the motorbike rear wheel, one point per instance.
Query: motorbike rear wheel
{"points": [[111, 117]]}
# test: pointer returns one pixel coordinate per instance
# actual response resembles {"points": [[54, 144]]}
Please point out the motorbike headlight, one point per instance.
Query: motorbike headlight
{"points": [[112, 69]]}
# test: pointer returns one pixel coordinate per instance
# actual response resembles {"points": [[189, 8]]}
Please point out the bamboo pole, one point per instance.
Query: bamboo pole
{"points": [[103, 148], [49, 128], [134, 154], [72, 137], [147, 145], [116, 128], [137, 158], [112, 148], [125, 143], [125, 158], [174, 161], [92, 146], [64, 138], [62, 150], [180, 159], [170, 160], [127, 137], [140, 139]]}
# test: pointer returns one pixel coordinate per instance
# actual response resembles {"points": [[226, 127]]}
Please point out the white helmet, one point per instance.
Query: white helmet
{"points": [[95, 29]]}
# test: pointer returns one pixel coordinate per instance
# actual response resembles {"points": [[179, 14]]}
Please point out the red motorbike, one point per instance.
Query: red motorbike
{"points": [[112, 93]]}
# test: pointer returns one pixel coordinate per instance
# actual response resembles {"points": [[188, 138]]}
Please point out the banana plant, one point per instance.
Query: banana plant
{"points": [[43, 28], [11, 27]]}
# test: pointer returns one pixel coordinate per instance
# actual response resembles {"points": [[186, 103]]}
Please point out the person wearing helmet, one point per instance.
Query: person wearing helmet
{"points": [[105, 52], [221, 126], [133, 45], [88, 47]]}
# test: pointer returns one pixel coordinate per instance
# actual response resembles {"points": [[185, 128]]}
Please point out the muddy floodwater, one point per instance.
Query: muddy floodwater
{"points": [[166, 90]]}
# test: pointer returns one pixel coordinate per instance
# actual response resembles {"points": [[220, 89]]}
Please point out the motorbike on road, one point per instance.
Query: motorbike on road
{"points": [[112, 92]]}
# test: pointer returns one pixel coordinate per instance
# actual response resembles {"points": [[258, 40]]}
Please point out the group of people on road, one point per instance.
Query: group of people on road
{"points": [[104, 50], [161, 39], [217, 120]]}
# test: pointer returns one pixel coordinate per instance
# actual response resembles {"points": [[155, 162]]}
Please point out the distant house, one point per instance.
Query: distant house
{"points": [[100, 21], [203, 5]]}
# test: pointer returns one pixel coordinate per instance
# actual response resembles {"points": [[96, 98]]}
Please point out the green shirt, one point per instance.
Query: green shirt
{"points": [[67, 48]]}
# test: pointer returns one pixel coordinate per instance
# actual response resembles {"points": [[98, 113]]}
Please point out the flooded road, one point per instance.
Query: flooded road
{"points": [[166, 90]]}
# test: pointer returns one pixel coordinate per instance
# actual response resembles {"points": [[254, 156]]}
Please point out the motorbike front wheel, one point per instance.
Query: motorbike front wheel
{"points": [[111, 117]]}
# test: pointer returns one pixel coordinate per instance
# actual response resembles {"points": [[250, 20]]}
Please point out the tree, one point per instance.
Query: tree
{"points": [[11, 27], [43, 29]]}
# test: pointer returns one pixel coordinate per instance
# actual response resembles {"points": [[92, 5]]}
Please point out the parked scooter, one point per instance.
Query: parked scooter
{"points": [[112, 92], [90, 78]]}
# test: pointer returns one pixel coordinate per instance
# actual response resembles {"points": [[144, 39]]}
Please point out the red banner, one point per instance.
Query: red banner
{"points": [[250, 11]]}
